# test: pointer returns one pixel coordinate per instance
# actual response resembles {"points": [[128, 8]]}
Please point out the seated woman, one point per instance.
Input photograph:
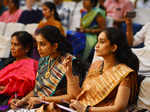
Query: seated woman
{"points": [[110, 85], [18, 78], [51, 17], [50, 81], [31, 13], [13, 13], [92, 22]]}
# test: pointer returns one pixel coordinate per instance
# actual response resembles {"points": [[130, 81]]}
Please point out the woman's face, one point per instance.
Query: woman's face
{"points": [[45, 48], [87, 4], [17, 50], [30, 3], [103, 47], [46, 11], [11, 4]]}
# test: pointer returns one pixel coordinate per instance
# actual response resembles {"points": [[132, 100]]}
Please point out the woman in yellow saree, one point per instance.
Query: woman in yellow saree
{"points": [[111, 84], [51, 17]]}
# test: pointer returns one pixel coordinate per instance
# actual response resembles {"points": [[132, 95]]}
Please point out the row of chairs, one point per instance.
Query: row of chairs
{"points": [[6, 30]]}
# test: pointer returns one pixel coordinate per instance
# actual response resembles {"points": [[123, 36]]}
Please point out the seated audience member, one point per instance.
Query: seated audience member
{"points": [[92, 22], [31, 13], [50, 81], [110, 85], [117, 9], [143, 55], [13, 13], [64, 13], [18, 78], [2, 7], [51, 16]]}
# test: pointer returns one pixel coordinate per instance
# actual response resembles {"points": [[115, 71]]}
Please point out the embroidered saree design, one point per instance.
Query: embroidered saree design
{"points": [[46, 84], [102, 85]]}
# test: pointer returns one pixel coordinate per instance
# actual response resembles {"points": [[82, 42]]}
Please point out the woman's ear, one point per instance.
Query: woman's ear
{"points": [[52, 12], [27, 50], [114, 48], [55, 46]]}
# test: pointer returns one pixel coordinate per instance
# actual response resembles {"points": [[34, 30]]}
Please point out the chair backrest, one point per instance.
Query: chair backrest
{"points": [[2, 28], [142, 16], [13, 27], [4, 47], [30, 28]]}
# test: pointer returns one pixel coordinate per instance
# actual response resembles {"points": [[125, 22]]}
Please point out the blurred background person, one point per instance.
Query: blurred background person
{"points": [[13, 13], [51, 16], [31, 13], [2, 7]]}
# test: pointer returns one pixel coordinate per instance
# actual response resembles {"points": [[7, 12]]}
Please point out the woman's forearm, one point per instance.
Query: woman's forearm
{"points": [[105, 109], [73, 87], [97, 30], [129, 32], [58, 99], [31, 94]]}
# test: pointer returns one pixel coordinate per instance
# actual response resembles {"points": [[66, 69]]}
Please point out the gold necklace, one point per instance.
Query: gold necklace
{"points": [[48, 74]]}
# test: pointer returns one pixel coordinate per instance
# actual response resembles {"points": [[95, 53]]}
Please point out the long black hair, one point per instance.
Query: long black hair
{"points": [[52, 7], [53, 35], [123, 54]]}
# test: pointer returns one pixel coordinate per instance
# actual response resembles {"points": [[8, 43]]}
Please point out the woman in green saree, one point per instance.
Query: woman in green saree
{"points": [[92, 23]]}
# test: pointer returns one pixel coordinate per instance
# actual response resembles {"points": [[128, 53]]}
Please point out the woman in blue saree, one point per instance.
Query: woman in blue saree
{"points": [[50, 80], [92, 23]]}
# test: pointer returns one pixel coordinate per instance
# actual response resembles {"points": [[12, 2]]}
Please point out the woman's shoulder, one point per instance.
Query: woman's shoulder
{"points": [[123, 68], [100, 12], [58, 23], [27, 61]]}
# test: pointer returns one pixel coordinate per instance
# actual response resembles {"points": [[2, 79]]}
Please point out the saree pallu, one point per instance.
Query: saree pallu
{"points": [[46, 84], [97, 87], [18, 78], [85, 41]]}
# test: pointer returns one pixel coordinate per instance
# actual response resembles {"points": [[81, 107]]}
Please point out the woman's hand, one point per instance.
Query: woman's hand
{"points": [[67, 66], [77, 106], [33, 101], [21, 102], [2, 88], [128, 21], [13, 103]]}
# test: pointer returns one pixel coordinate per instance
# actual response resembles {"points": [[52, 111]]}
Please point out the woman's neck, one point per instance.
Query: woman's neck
{"points": [[109, 62], [22, 57], [50, 18], [55, 55], [89, 9], [11, 11]]}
